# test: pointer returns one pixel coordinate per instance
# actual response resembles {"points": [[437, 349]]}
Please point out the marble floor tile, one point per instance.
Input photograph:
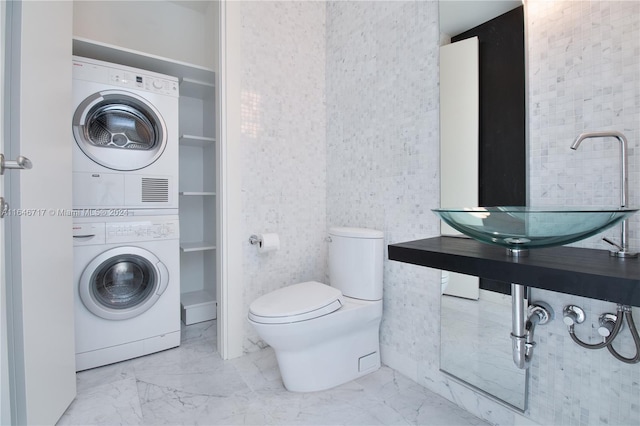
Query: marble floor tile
{"points": [[115, 402], [192, 385]]}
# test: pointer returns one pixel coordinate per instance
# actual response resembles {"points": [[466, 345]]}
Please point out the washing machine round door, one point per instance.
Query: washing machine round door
{"points": [[122, 283], [119, 130]]}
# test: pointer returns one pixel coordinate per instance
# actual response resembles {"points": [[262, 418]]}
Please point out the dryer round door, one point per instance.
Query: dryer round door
{"points": [[122, 283], [119, 130]]}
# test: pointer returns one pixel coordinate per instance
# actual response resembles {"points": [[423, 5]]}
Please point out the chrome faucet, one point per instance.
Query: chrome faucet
{"points": [[623, 247]]}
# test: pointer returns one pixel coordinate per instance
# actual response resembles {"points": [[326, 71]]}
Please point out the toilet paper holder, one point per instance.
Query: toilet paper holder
{"points": [[265, 242]]}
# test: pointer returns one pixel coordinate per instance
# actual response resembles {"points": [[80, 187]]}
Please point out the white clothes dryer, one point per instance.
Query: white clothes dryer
{"points": [[125, 126], [127, 288]]}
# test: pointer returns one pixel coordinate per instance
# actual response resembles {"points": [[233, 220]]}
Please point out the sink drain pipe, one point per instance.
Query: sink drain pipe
{"points": [[522, 328]]}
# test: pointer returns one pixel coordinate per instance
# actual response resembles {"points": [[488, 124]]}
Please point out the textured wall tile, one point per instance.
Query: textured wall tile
{"points": [[382, 146], [584, 75], [283, 144]]}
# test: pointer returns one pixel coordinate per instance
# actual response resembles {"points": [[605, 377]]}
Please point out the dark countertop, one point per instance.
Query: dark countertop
{"points": [[583, 272]]}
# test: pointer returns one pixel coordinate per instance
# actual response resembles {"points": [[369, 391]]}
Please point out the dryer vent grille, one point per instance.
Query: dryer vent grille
{"points": [[155, 190]]}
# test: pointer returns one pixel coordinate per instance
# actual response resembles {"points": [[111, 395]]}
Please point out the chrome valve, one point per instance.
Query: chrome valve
{"points": [[572, 314], [607, 323]]}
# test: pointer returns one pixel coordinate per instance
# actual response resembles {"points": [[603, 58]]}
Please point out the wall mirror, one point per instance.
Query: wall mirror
{"points": [[475, 344]]}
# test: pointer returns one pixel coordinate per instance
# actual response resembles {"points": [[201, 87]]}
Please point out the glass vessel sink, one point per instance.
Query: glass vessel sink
{"points": [[521, 228]]}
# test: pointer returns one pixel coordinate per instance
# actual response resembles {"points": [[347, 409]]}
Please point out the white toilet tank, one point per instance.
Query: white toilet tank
{"points": [[355, 262]]}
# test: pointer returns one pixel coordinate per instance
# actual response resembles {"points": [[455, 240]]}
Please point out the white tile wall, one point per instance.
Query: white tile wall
{"points": [[283, 144], [584, 74], [382, 147]]}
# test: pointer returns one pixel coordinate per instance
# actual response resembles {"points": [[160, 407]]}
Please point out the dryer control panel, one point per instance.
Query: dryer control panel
{"points": [[142, 81], [123, 76]]}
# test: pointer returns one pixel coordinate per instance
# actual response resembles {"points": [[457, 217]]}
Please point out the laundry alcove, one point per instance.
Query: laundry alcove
{"points": [[185, 47]]}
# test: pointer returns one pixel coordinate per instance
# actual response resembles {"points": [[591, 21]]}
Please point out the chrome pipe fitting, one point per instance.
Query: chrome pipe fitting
{"points": [[572, 314], [542, 312], [607, 323], [522, 329]]}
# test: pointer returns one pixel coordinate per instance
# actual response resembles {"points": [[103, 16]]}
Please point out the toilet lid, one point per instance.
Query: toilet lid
{"points": [[298, 302]]}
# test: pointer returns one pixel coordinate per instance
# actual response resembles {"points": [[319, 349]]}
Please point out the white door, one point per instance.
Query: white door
{"points": [[459, 130], [39, 372]]}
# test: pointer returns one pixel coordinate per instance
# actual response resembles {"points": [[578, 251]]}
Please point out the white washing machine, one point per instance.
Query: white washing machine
{"points": [[127, 288], [125, 126]]}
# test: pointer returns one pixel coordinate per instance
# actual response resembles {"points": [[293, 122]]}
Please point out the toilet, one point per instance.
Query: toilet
{"points": [[322, 335]]}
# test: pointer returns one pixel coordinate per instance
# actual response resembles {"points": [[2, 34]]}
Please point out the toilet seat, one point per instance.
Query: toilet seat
{"points": [[298, 302]]}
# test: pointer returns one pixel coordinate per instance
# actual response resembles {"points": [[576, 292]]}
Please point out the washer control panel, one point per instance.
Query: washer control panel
{"points": [[126, 232], [94, 233]]}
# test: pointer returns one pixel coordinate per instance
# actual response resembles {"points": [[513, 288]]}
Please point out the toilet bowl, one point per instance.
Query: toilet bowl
{"points": [[324, 335]]}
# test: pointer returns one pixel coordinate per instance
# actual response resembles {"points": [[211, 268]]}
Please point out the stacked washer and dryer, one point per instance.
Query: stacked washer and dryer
{"points": [[125, 201]]}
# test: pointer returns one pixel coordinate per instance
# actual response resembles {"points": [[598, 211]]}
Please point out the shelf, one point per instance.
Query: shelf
{"points": [[197, 193], [194, 88], [581, 272], [133, 58], [198, 141], [188, 247], [196, 298], [197, 306]]}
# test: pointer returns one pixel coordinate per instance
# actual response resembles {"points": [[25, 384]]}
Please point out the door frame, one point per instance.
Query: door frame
{"points": [[230, 280]]}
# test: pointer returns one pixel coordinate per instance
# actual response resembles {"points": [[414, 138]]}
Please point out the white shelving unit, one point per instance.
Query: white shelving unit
{"points": [[197, 181], [197, 199]]}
